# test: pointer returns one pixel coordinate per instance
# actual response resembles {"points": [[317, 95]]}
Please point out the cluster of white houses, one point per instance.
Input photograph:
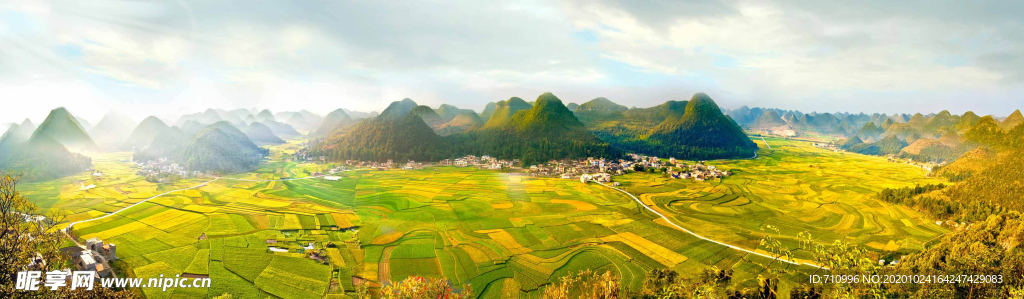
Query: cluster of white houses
{"points": [[161, 171], [96, 256]]}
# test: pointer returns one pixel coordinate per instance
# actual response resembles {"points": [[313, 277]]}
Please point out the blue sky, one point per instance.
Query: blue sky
{"points": [[170, 58]]}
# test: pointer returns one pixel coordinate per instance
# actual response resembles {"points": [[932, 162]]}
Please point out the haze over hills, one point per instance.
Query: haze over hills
{"points": [[61, 126], [529, 131], [112, 130], [333, 121], [145, 132]]}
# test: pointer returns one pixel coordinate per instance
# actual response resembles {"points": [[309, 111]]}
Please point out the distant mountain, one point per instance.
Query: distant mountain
{"points": [[485, 115], [966, 121], [447, 112], [385, 137], [987, 132], [86, 126], [62, 127], [222, 148], [547, 130], [703, 132], [503, 111], [42, 158], [261, 134], [937, 122], [281, 129], [890, 145], [869, 132], [303, 120], [191, 127], [851, 142], [145, 132], [538, 133], [917, 121], [601, 104], [16, 134], [241, 113], [359, 115], [299, 122], [169, 143], [572, 106], [398, 109], [598, 108], [465, 121], [431, 118], [250, 119], [767, 121], [264, 116], [1012, 121], [334, 120], [112, 130], [627, 129]]}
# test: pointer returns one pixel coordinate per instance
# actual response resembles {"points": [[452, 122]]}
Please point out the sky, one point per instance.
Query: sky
{"points": [[168, 58]]}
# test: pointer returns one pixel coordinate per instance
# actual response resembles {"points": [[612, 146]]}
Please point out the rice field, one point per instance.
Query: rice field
{"points": [[506, 234]]}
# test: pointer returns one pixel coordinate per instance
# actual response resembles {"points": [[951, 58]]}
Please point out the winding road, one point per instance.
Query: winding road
{"points": [[705, 238]]}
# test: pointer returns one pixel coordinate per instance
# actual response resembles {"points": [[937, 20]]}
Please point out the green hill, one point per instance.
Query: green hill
{"points": [[62, 127], [485, 115], [635, 122], [768, 120], [261, 134], [547, 130], [966, 121], [869, 132], [447, 112], [890, 145], [145, 132], [572, 107], [703, 132], [398, 109], [334, 120], [113, 129], [382, 138], [43, 158], [851, 142], [987, 132], [265, 116], [222, 148], [503, 111], [169, 143], [1012, 121], [15, 135], [465, 121], [936, 123], [601, 104], [281, 129], [428, 115], [598, 108], [299, 122]]}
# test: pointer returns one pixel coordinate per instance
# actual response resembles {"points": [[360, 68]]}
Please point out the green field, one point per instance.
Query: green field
{"points": [[506, 234]]}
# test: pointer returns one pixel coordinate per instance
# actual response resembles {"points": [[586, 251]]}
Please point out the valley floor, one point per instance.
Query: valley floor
{"points": [[506, 234]]}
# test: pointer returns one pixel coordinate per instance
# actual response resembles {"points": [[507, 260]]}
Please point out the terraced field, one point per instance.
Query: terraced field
{"points": [[506, 234]]}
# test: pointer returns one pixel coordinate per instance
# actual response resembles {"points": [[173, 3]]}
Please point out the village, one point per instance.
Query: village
{"points": [[163, 171], [589, 169]]}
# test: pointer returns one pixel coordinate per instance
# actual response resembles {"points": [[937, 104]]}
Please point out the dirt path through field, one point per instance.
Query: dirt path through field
{"points": [[673, 224]]}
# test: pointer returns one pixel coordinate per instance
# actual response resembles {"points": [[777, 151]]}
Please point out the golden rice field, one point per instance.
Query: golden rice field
{"points": [[508, 235]]}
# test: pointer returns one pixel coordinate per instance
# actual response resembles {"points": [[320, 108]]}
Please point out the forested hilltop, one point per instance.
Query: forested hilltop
{"points": [[543, 130]]}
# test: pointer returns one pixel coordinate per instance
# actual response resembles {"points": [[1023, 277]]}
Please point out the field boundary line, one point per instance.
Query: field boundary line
{"points": [[190, 188], [705, 238]]}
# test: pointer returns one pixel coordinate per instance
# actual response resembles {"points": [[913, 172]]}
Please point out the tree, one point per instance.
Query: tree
{"points": [[31, 243]]}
